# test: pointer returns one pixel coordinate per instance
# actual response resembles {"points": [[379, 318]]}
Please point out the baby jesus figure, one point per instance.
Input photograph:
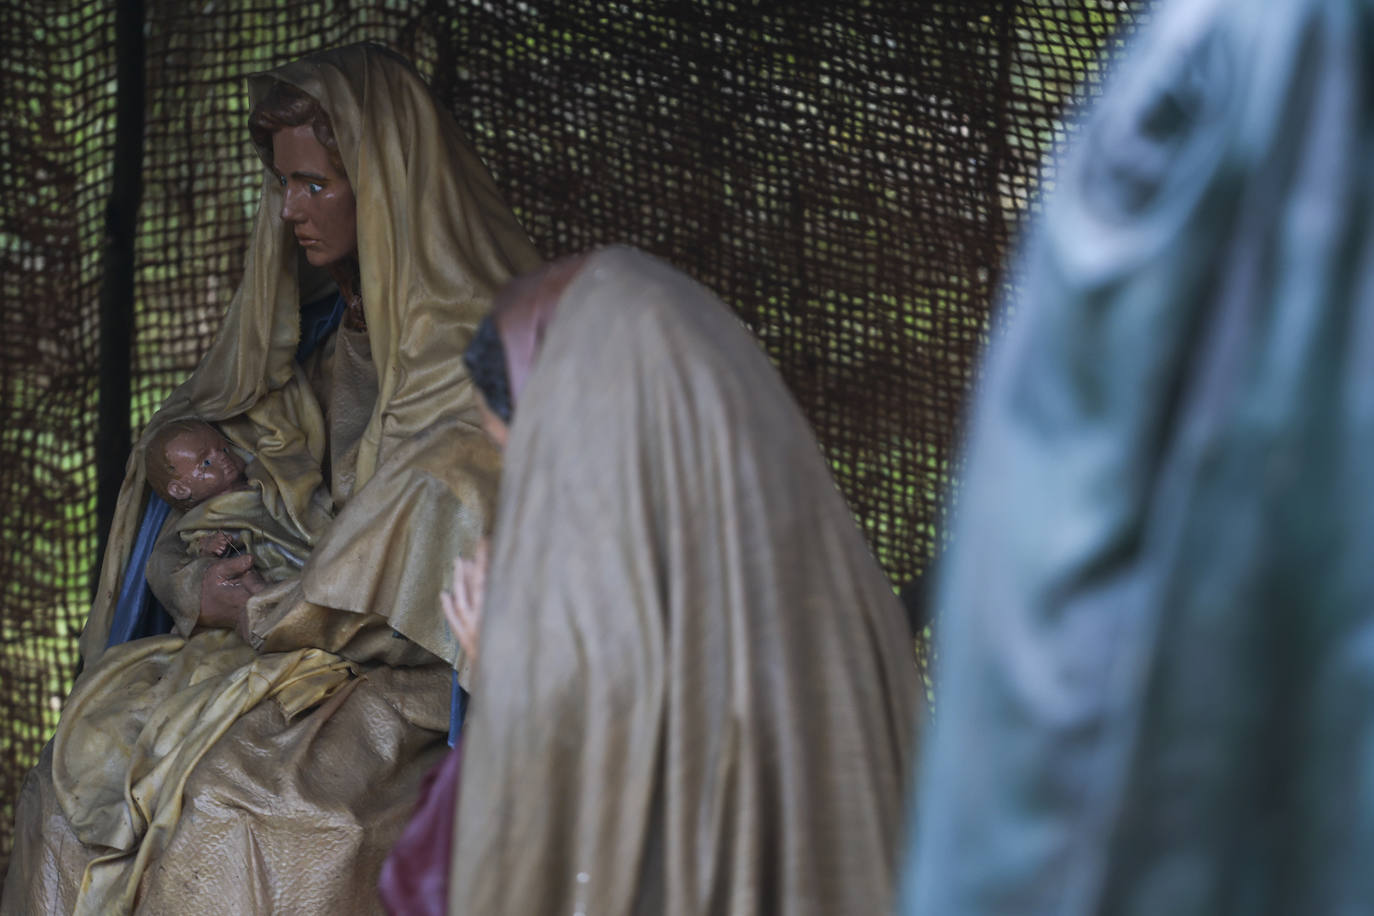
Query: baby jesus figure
{"points": [[222, 496], [197, 464]]}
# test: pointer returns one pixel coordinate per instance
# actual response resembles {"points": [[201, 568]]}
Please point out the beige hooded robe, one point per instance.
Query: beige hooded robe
{"points": [[696, 691]]}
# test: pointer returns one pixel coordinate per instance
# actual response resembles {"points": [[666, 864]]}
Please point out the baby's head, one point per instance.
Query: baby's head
{"points": [[188, 461]]}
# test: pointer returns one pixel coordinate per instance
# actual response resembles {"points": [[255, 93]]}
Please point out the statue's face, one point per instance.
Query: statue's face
{"points": [[317, 200], [203, 465]]}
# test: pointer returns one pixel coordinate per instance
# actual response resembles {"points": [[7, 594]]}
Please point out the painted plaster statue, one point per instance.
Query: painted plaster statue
{"points": [[264, 755], [1156, 684], [696, 692]]}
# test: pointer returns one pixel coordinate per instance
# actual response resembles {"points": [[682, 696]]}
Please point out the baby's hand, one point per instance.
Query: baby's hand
{"points": [[216, 545]]}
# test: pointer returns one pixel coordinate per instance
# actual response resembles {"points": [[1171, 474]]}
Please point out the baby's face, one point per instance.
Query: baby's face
{"points": [[203, 463]]}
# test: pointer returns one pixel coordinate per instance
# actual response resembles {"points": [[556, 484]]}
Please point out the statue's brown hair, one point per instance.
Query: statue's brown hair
{"points": [[284, 106]]}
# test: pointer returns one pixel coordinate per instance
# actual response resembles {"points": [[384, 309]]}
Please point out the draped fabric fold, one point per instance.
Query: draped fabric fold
{"points": [[135, 729]]}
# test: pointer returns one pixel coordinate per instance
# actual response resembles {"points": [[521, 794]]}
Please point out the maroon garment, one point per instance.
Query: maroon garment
{"points": [[414, 878]]}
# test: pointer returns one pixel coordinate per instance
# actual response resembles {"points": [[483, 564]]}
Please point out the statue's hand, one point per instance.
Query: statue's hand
{"points": [[463, 606], [225, 590]]}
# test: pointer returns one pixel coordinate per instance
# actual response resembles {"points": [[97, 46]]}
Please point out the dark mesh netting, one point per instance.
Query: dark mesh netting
{"points": [[847, 175]]}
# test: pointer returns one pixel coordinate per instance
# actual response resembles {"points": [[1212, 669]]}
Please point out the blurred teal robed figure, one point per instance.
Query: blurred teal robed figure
{"points": [[1156, 686]]}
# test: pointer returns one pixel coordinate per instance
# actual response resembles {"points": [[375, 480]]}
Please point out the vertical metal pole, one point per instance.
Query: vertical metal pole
{"points": [[112, 440]]}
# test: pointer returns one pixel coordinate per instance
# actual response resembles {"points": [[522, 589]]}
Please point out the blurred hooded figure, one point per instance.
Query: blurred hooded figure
{"points": [[695, 691], [1156, 686]]}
